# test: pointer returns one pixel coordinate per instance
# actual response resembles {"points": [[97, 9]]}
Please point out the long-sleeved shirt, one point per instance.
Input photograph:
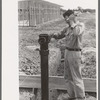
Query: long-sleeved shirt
{"points": [[73, 36]]}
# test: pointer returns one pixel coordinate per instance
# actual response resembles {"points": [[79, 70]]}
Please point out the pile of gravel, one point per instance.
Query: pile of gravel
{"points": [[30, 60]]}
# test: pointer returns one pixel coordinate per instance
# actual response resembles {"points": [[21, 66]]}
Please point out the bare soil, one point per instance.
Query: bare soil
{"points": [[29, 37]]}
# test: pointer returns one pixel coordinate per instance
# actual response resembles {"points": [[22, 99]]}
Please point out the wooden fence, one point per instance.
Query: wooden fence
{"points": [[55, 82]]}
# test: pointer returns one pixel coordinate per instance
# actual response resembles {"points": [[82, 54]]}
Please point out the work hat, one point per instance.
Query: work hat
{"points": [[68, 13]]}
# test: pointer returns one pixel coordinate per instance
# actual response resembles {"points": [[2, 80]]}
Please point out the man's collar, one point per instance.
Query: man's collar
{"points": [[74, 25]]}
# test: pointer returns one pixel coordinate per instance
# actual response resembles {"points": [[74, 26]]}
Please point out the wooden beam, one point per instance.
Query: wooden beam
{"points": [[55, 82]]}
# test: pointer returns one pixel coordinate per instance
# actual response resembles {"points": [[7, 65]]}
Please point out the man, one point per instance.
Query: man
{"points": [[72, 69]]}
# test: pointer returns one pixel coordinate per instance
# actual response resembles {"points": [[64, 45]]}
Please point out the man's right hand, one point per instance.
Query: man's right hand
{"points": [[52, 37]]}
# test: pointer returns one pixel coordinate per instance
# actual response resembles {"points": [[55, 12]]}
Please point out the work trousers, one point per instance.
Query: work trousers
{"points": [[72, 75]]}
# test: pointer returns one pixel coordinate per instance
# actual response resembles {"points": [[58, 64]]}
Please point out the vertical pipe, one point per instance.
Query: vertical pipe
{"points": [[44, 40]]}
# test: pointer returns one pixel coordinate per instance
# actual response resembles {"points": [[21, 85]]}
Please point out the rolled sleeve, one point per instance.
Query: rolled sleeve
{"points": [[61, 34], [79, 29]]}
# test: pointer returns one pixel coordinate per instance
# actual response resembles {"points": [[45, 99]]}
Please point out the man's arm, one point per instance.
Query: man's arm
{"points": [[79, 29], [59, 35]]}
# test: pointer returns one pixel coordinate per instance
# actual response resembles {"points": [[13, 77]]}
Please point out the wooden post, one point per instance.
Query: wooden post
{"points": [[29, 13], [34, 15]]}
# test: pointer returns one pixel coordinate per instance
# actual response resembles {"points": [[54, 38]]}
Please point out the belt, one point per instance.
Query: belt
{"points": [[73, 49]]}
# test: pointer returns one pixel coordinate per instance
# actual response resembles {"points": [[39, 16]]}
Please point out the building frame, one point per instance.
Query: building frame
{"points": [[35, 12]]}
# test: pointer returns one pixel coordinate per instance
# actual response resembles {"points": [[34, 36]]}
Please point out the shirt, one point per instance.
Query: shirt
{"points": [[73, 35]]}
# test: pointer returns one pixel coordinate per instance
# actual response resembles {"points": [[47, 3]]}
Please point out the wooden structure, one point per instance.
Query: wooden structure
{"points": [[34, 12], [55, 82]]}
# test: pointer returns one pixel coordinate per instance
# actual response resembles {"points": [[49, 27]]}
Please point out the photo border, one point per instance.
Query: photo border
{"points": [[1, 49], [98, 49], [98, 86]]}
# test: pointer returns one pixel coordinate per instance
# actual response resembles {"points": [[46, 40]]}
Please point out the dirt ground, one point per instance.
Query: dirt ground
{"points": [[29, 37]]}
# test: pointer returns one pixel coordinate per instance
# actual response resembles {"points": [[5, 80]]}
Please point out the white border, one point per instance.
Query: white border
{"points": [[10, 81], [97, 48], [10, 76]]}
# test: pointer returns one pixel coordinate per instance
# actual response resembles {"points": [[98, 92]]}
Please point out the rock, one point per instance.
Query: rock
{"points": [[26, 94], [91, 98], [89, 62], [63, 96]]}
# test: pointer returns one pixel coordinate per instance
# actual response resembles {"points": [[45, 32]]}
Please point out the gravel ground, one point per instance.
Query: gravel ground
{"points": [[26, 94]]}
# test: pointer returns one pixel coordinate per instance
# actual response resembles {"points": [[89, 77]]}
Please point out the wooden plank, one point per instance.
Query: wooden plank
{"points": [[55, 82]]}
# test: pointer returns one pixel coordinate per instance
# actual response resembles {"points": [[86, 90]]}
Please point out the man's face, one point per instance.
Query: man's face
{"points": [[67, 19], [70, 19]]}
